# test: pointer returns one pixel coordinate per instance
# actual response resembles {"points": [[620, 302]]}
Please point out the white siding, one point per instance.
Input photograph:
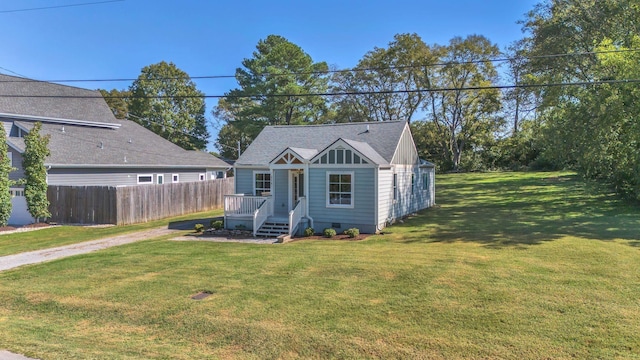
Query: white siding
{"points": [[406, 152], [114, 177], [385, 196]]}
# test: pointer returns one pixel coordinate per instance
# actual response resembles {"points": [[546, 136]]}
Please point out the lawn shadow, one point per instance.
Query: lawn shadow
{"points": [[515, 209], [189, 224]]}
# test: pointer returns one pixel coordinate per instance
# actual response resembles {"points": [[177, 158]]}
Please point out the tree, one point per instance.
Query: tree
{"points": [[118, 101], [5, 182], [385, 81], [276, 87], [462, 115], [591, 128], [166, 101], [35, 174]]}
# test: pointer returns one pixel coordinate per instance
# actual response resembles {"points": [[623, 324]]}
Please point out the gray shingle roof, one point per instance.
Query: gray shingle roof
{"points": [[382, 138], [89, 146], [71, 102]]}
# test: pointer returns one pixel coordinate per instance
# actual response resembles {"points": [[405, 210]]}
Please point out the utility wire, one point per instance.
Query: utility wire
{"points": [[399, 67], [58, 6], [342, 93]]}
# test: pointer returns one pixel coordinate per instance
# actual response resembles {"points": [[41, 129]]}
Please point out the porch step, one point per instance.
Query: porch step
{"points": [[273, 229]]}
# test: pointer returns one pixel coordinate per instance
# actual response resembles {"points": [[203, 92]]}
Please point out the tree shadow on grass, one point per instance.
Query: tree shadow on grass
{"points": [[501, 210]]}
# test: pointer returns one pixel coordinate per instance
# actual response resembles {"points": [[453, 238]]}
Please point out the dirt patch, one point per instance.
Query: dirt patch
{"points": [[36, 225]]}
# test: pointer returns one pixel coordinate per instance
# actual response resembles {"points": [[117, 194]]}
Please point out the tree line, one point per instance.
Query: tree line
{"points": [[569, 106]]}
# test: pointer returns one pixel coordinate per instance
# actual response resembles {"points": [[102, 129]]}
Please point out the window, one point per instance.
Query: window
{"points": [[175, 178], [413, 182], [160, 178], [425, 181], [220, 175], [145, 179], [395, 187], [262, 183], [202, 177], [10, 155], [339, 189]]}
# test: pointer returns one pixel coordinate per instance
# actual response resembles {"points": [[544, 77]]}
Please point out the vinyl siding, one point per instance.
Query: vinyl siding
{"points": [[406, 153], [409, 202], [115, 177], [280, 185], [385, 196], [244, 180], [17, 164], [362, 215]]}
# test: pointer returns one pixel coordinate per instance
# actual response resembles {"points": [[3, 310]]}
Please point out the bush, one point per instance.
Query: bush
{"points": [[217, 224], [353, 232], [309, 231], [329, 232], [198, 228]]}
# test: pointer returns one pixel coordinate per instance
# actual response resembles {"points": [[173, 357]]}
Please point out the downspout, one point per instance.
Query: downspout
{"points": [[306, 189]]}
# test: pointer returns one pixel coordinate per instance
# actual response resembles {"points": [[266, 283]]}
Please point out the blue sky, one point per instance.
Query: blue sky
{"points": [[116, 39]]}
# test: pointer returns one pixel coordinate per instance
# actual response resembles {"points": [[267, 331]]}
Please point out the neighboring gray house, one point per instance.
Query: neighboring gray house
{"points": [[88, 145], [363, 175]]}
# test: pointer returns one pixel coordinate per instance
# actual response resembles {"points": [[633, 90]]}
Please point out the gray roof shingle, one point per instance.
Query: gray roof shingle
{"points": [[87, 146], [382, 138]]}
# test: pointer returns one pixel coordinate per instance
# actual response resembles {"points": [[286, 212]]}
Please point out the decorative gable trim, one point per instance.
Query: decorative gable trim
{"points": [[340, 153], [288, 157]]}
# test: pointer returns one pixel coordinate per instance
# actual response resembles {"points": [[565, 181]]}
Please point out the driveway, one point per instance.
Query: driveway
{"points": [[39, 256]]}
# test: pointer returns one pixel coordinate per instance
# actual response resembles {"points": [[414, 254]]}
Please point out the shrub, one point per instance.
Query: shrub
{"points": [[329, 232], [353, 232], [309, 231], [217, 224], [198, 228]]}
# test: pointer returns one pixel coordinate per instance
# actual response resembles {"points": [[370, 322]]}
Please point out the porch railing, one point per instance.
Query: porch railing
{"points": [[241, 205], [297, 214], [261, 214]]}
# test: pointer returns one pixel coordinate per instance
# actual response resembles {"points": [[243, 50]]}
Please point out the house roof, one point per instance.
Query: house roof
{"points": [[379, 138], [92, 136], [23, 96]]}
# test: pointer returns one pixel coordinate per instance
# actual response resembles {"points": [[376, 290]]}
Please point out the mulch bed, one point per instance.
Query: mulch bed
{"points": [[337, 237], [7, 228], [29, 226]]}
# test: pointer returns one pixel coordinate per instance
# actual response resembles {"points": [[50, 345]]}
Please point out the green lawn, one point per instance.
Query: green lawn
{"points": [[510, 265], [64, 235]]}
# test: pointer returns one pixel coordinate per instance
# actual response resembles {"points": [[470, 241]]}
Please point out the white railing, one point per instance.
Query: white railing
{"points": [[240, 205], [261, 214], [297, 214]]}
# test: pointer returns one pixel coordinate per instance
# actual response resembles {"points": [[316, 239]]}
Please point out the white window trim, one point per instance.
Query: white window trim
{"points": [[413, 183], [202, 177], [175, 178], [353, 192], [158, 177], [145, 182], [253, 180], [394, 186]]}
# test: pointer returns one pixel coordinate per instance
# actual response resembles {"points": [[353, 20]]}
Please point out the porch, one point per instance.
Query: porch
{"points": [[256, 213]]}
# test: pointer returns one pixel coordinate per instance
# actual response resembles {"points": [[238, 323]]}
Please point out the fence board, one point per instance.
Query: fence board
{"points": [[134, 204]]}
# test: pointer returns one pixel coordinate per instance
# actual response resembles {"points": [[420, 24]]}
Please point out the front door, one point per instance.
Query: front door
{"points": [[297, 187]]}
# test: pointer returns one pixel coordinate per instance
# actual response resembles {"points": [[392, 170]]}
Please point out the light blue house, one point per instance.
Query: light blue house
{"points": [[364, 175]]}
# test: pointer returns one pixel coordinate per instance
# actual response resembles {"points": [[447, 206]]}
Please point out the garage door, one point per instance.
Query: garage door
{"points": [[19, 213]]}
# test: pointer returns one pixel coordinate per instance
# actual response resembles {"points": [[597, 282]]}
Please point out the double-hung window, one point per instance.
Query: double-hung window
{"points": [[262, 183], [340, 189]]}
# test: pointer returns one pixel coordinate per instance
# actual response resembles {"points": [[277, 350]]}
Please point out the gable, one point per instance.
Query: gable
{"points": [[341, 153], [406, 152]]}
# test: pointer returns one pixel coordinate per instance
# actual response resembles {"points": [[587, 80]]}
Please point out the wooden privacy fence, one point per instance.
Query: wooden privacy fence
{"points": [[134, 204]]}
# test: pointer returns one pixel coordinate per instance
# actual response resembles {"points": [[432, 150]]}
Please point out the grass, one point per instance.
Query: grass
{"points": [[64, 235], [513, 265]]}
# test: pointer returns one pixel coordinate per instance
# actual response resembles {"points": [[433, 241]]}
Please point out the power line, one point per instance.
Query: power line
{"points": [[58, 6], [399, 67], [342, 93]]}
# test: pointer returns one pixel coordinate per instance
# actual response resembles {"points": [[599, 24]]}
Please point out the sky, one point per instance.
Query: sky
{"points": [[115, 39]]}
